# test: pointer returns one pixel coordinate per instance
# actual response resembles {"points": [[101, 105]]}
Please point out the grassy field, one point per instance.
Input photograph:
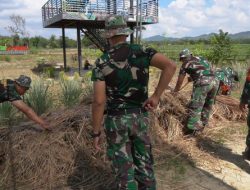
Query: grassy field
{"points": [[174, 170]]}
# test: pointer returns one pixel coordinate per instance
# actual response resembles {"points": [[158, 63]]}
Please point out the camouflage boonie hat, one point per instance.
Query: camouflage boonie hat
{"points": [[115, 26], [24, 81], [185, 53]]}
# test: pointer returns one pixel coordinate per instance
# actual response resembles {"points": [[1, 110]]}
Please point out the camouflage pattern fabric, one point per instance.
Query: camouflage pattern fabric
{"points": [[204, 91], [248, 124], [24, 81], [116, 25], [125, 70], [8, 91], [199, 70], [245, 99], [129, 149], [200, 105], [226, 76]]}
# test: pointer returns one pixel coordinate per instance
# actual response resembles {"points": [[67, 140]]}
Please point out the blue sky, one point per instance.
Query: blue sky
{"points": [[177, 18]]}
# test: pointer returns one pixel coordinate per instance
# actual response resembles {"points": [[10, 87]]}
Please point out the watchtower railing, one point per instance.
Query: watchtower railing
{"points": [[128, 8]]}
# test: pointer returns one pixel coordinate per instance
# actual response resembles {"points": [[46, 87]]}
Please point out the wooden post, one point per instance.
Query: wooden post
{"points": [[64, 49], [131, 36], [79, 47]]}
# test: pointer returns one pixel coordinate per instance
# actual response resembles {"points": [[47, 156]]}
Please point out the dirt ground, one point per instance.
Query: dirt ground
{"points": [[205, 162]]}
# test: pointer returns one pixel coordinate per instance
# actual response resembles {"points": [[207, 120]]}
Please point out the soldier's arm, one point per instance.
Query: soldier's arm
{"points": [[98, 105], [29, 112], [168, 68], [179, 82], [98, 110]]}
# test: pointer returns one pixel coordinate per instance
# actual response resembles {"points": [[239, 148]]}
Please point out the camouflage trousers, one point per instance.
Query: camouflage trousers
{"points": [[129, 149], [248, 124], [200, 105]]}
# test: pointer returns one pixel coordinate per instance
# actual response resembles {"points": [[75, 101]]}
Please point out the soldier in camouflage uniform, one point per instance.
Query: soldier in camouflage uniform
{"points": [[204, 90], [245, 101], [121, 81], [227, 77], [12, 90]]}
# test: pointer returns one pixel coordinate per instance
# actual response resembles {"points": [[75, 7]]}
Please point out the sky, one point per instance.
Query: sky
{"points": [[177, 18]]}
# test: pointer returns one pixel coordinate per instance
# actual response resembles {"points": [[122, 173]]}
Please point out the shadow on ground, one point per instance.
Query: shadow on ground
{"points": [[223, 153]]}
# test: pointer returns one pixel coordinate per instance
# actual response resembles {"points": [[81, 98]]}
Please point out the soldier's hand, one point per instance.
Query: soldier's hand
{"points": [[151, 103], [96, 142], [190, 79], [46, 126]]}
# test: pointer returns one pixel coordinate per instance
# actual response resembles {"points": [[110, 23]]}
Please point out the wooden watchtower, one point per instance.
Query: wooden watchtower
{"points": [[88, 17]]}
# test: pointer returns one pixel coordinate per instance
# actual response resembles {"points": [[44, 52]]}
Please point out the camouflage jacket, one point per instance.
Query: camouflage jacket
{"points": [[245, 96], [199, 70], [8, 91], [226, 75], [125, 70]]}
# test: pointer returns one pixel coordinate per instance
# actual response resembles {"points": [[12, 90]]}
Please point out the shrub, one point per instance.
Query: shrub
{"points": [[41, 61], [87, 84], [38, 97], [49, 72], [71, 89], [7, 58]]}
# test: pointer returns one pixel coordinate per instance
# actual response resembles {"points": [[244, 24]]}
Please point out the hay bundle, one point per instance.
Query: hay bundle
{"points": [[58, 159], [171, 114], [227, 107]]}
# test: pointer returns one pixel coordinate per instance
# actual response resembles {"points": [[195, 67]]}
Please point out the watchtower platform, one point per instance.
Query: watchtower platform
{"points": [[88, 17]]}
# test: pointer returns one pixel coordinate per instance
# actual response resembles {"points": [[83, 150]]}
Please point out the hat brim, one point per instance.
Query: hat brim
{"points": [[22, 84], [117, 32]]}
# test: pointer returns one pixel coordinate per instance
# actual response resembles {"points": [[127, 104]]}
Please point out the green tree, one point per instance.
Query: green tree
{"points": [[86, 41], [53, 43], [70, 43], [221, 47], [35, 41]]}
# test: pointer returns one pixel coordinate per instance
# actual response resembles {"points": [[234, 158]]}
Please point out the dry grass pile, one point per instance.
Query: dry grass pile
{"points": [[58, 159], [228, 108], [172, 112], [65, 156]]}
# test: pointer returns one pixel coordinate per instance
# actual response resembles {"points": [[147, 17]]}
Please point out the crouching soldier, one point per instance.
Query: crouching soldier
{"points": [[12, 90], [244, 102], [204, 90], [227, 78]]}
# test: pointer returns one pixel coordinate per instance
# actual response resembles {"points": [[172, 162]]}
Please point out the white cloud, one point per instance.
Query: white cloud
{"points": [[180, 18], [192, 18]]}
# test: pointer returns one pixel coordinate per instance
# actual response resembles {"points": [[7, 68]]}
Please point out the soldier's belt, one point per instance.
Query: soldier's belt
{"points": [[126, 111]]}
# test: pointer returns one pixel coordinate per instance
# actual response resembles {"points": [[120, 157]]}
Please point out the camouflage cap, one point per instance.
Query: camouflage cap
{"points": [[115, 26], [24, 81], [185, 53]]}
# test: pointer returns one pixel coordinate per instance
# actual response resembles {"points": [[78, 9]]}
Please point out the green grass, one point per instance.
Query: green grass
{"points": [[38, 97], [71, 89]]}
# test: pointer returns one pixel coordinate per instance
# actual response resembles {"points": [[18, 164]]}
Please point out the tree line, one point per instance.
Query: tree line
{"points": [[42, 42]]}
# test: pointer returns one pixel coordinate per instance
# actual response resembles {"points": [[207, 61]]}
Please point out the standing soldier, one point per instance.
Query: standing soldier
{"points": [[12, 90], [244, 101], [204, 90], [121, 81]]}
